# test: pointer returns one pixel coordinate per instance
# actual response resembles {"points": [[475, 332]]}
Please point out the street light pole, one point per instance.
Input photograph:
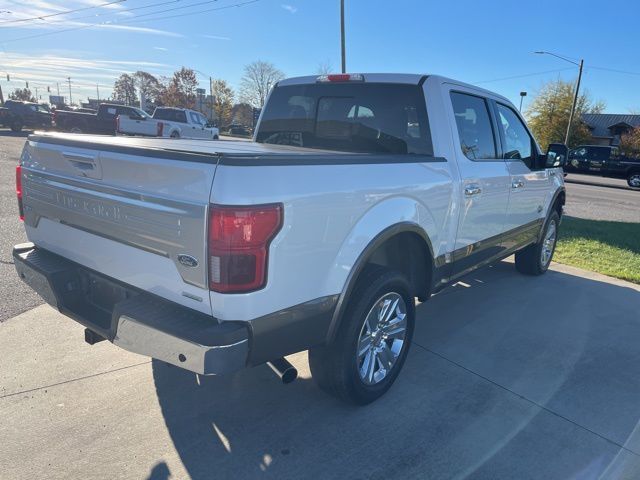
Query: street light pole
{"points": [[575, 96], [522, 95], [342, 47], [70, 100], [573, 105]]}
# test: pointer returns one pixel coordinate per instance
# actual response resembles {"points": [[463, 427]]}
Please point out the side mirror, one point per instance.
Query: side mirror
{"points": [[557, 155]]}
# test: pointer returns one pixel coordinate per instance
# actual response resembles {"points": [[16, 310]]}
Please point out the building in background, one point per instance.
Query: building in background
{"points": [[606, 128]]}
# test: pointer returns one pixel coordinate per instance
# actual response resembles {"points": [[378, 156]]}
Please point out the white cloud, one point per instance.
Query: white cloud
{"points": [[52, 69], [289, 8], [107, 17], [215, 37], [162, 49]]}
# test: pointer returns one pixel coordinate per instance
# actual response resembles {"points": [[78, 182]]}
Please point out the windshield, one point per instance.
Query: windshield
{"points": [[353, 117]]}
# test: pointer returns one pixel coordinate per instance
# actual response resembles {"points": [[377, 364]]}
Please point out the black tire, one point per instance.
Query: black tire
{"points": [[175, 135], [529, 260], [76, 129], [216, 137], [335, 367], [16, 126], [633, 180]]}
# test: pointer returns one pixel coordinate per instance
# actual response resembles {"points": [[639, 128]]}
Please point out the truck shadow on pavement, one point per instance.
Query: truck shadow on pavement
{"points": [[10, 133], [508, 377]]}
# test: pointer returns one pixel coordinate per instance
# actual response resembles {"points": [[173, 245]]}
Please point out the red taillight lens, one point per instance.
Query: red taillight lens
{"points": [[160, 128], [239, 239], [19, 190]]}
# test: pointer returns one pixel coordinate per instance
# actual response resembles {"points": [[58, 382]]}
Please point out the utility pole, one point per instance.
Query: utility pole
{"points": [[573, 106], [344, 60], [211, 98], [98, 91], [575, 96], [58, 85], [37, 97], [70, 100]]}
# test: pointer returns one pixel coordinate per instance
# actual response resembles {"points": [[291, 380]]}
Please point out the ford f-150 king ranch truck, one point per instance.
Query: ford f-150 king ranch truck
{"points": [[168, 122], [358, 194]]}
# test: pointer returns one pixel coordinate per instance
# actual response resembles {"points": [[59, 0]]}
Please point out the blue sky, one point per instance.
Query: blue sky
{"points": [[488, 43]]}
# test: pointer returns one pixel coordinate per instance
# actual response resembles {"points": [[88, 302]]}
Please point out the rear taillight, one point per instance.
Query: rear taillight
{"points": [[19, 190], [160, 128], [239, 239]]}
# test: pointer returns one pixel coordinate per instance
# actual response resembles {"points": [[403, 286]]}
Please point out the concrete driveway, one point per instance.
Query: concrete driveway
{"points": [[509, 377]]}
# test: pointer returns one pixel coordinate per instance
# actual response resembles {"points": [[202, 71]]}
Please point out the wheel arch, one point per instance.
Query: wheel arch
{"points": [[421, 270]]}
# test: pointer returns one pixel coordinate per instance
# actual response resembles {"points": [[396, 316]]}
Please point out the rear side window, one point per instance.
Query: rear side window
{"points": [[474, 126], [351, 117]]}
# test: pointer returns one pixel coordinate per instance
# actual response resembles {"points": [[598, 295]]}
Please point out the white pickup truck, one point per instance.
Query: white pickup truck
{"points": [[168, 122], [359, 194]]}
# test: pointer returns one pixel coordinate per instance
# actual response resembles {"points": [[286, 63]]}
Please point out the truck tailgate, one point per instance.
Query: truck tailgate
{"points": [[131, 213]]}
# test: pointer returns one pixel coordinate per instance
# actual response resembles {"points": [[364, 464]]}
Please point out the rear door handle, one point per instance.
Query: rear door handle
{"points": [[472, 189], [517, 184]]}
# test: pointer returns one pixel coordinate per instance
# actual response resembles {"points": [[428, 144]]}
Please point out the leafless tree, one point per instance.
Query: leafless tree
{"points": [[258, 79], [324, 68]]}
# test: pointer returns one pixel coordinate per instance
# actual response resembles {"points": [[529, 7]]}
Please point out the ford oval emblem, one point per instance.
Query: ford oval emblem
{"points": [[188, 260]]}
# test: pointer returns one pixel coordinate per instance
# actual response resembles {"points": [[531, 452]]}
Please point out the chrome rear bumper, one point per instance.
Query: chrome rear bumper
{"points": [[133, 320]]}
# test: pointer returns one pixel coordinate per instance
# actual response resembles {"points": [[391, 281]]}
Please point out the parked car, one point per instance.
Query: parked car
{"points": [[169, 122], [605, 161], [360, 193], [239, 130], [17, 115], [103, 122]]}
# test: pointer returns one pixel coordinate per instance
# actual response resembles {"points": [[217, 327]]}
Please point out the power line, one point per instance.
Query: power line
{"points": [[613, 70], [525, 75], [63, 13], [124, 10], [106, 23]]}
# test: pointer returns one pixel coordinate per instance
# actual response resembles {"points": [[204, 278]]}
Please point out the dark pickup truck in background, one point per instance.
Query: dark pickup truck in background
{"points": [[17, 115], [103, 122], [604, 161]]}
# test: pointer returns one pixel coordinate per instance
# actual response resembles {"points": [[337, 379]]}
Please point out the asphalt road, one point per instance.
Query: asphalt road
{"points": [[585, 201], [15, 297], [599, 198], [508, 377]]}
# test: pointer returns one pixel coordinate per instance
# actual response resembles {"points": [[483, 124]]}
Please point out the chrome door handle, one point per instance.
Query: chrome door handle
{"points": [[472, 189], [517, 184]]}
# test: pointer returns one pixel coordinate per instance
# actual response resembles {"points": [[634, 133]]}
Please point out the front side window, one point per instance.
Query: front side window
{"points": [[194, 118], [474, 126], [345, 116], [518, 144]]}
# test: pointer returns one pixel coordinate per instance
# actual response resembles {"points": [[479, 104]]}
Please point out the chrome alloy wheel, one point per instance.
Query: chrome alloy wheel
{"points": [[382, 338], [548, 244], [634, 180]]}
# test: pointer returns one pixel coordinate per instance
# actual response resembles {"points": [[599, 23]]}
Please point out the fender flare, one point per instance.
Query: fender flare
{"points": [[379, 239], [554, 199]]}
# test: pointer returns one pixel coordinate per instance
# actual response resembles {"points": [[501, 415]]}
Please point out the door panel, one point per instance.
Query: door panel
{"points": [[529, 184], [485, 181]]}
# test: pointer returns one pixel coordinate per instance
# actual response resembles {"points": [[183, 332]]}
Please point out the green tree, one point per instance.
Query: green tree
{"points": [[181, 90], [124, 89], [22, 94], [258, 79], [222, 101], [548, 114]]}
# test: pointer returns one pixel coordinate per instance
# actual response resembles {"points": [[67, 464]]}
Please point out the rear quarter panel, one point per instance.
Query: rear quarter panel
{"points": [[331, 213]]}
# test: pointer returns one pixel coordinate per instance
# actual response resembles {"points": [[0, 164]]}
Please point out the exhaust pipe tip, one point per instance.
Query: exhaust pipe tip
{"points": [[281, 367]]}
